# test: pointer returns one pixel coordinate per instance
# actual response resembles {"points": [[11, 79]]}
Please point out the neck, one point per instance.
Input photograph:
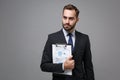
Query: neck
{"points": [[70, 31]]}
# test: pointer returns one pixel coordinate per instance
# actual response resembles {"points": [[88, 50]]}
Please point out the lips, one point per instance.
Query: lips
{"points": [[67, 25]]}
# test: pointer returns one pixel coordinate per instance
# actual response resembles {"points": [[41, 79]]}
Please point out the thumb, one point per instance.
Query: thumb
{"points": [[70, 57]]}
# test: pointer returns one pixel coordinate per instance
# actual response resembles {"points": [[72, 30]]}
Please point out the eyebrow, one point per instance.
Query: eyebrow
{"points": [[68, 17]]}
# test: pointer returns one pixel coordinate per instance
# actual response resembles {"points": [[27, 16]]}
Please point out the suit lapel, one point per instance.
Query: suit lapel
{"points": [[61, 37], [77, 39]]}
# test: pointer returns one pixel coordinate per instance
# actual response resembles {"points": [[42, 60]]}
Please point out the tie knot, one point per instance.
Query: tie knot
{"points": [[69, 34]]}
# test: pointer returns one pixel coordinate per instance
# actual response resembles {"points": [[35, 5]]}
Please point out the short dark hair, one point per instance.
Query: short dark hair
{"points": [[71, 7]]}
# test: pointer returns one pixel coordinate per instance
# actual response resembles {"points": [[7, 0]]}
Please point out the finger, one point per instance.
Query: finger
{"points": [[70, 57], [72, 61], [72, 66]]}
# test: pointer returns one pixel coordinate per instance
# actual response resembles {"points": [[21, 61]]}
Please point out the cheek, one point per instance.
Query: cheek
{"points": [[72, 22], [63, 21]]}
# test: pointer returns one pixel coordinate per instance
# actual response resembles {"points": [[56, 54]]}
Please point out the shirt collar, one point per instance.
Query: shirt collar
{"points": [[66, 33]]}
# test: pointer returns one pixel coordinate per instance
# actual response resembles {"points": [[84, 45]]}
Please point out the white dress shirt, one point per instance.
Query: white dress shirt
{"points": [[67, 37]]}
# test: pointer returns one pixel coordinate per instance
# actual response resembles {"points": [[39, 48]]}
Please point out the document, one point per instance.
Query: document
{"points": [[60, 52]]}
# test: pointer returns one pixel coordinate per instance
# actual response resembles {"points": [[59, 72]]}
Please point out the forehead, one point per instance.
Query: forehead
{"points": [[69, 13]]}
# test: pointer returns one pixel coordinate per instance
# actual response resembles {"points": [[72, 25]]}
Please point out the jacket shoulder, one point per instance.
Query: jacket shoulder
{"points": [[55, 34], [81, 34]]}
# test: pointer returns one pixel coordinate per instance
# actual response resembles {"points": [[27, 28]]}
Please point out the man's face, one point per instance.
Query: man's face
{"points": [[69, 20]]}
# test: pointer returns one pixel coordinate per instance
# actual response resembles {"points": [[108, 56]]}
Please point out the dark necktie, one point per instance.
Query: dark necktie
{"points": [[70, 41]]}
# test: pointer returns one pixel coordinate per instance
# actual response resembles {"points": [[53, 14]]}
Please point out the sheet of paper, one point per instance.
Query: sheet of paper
{"points": [[60, 52]]}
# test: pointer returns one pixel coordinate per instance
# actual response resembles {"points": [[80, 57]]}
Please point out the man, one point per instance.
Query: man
{"points": [[80, 62]]}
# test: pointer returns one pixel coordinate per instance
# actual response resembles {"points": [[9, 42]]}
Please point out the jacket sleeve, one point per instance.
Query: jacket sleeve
{"points": [[46, 61], [88, 61]]}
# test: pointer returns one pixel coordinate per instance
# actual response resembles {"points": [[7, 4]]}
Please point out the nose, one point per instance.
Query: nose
{"points": [[67, 20]]}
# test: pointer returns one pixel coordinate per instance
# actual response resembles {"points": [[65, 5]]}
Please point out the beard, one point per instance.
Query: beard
{"points": [[68, 27]]}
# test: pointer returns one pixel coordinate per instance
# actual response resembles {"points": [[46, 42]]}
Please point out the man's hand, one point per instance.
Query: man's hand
{"points": [[69, 63]]}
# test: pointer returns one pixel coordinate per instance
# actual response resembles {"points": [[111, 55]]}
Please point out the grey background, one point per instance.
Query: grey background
{"points": [[25, 24]]}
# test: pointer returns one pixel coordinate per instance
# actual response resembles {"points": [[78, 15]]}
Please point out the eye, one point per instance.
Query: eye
{"points": [[64, 17], [71, 18]]}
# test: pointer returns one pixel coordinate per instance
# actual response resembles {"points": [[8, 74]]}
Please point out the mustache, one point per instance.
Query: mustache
{"points": [[67, 24]]}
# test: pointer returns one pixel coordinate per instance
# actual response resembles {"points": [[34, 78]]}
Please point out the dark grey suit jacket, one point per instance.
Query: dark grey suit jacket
{"points": [[82, 55]]}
